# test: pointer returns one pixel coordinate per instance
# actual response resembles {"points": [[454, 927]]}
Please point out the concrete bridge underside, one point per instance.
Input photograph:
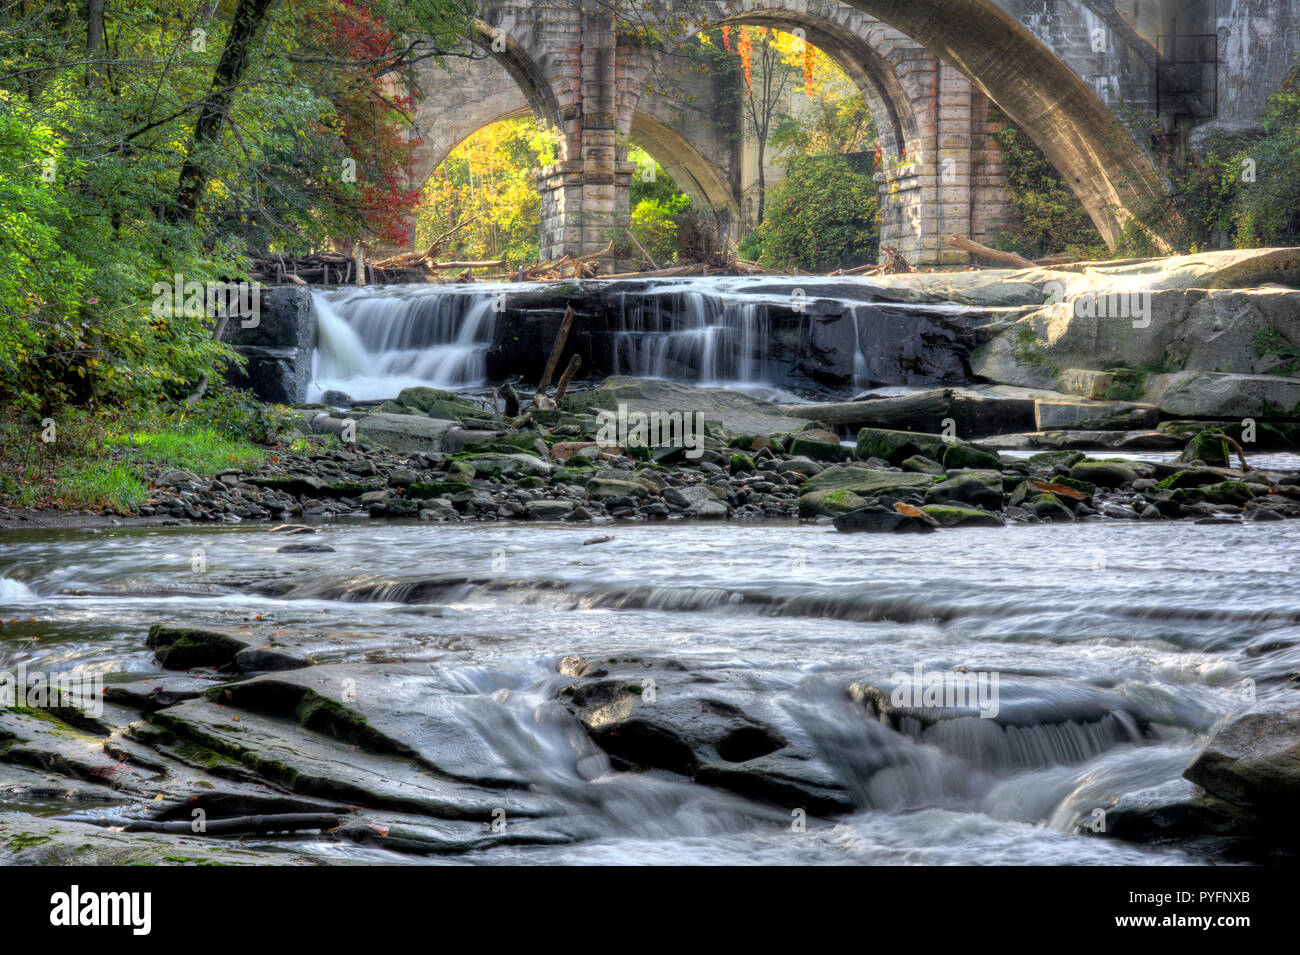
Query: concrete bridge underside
{"points": [[1064, 70]]}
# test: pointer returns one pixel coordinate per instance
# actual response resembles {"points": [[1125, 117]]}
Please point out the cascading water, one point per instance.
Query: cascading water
{"points": [[692, 336], [753, 334], [374, 342]]}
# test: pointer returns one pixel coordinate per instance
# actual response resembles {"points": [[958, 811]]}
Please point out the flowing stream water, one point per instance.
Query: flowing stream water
{"points": [[1168, 618]]}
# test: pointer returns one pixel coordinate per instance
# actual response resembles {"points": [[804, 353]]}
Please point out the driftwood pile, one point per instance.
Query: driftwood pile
{"points": [[541, 400], [339, 268]]}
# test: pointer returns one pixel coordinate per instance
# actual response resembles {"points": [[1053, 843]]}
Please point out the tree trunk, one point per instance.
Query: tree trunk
{"points": [[94, 42], [250, 16]]}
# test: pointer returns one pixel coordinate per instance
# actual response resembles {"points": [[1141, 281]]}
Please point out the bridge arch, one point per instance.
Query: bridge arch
{"points": [[1110, 172], [537, 89], [695, 175], [899, 80]]}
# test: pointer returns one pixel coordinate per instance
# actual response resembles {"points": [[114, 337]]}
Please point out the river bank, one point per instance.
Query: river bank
{"points": [[441, 457]]}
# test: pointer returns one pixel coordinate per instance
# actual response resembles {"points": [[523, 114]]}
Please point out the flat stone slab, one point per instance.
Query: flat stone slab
{"points": [[1053, 415], [1085, 440], [398, 432], [738, 412]]}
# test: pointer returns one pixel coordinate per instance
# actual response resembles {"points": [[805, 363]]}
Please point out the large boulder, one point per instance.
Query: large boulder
{"points": [[1203, 394], [1253, 761], [888, 486], [876, 519], [714, 726], [1208, 448], [972, 490], [439, 404]]}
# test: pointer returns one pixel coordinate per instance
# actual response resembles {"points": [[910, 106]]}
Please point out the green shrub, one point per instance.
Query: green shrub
{"points": [[824, 215]]}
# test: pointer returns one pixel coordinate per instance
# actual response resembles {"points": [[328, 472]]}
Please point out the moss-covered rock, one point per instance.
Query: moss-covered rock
{"points": [[438, 404], [949, 515], [818, 449], [183, 648], [573, 475], [969, 456], [964, 489], [347, 489], [1225, 492], [461, 471], [1191, 477], [424, 490], [1052, 459], [607, 488], [887, 486], [1103, 473], [923, 465], [829, 503], [495, 465], [1209, 448], [1048, 508], [897, 446]]}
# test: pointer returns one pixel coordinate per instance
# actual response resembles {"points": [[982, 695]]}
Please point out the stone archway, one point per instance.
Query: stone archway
{"points": [[1111, 173], [924, 64], [695, 175], [930, 185]]}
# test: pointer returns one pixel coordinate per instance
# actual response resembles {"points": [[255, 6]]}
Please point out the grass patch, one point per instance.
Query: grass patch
{"points": [[1028, 350], [201, 450], [99, 458]]}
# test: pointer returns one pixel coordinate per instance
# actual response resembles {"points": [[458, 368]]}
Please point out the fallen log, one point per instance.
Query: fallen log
{"points": [[408, 259], [493, 264], [574, 364], [859, 270], [236, 825], [557, 348], [993, 255], [693, 269], [640, 248]]}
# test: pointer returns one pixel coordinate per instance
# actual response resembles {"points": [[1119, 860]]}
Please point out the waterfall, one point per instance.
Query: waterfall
{"points": [[374, 342], [861, 371], [692, 336]]}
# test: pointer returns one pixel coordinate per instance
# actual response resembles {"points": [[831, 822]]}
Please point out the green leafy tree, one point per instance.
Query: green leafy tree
{"points": [[824, 215]]}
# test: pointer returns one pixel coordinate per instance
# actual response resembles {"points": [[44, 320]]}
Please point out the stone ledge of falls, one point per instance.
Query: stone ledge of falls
{"points": [[1225, 270]]}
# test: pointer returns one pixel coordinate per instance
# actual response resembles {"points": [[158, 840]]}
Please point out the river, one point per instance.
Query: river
{"points": [[1166, 617]]}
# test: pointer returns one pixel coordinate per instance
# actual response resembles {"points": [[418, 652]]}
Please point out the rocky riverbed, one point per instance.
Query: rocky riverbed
{"points": [[751, 462]]}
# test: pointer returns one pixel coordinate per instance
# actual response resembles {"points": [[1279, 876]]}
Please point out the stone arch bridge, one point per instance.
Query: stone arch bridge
{"points": [[1077, 75]]}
